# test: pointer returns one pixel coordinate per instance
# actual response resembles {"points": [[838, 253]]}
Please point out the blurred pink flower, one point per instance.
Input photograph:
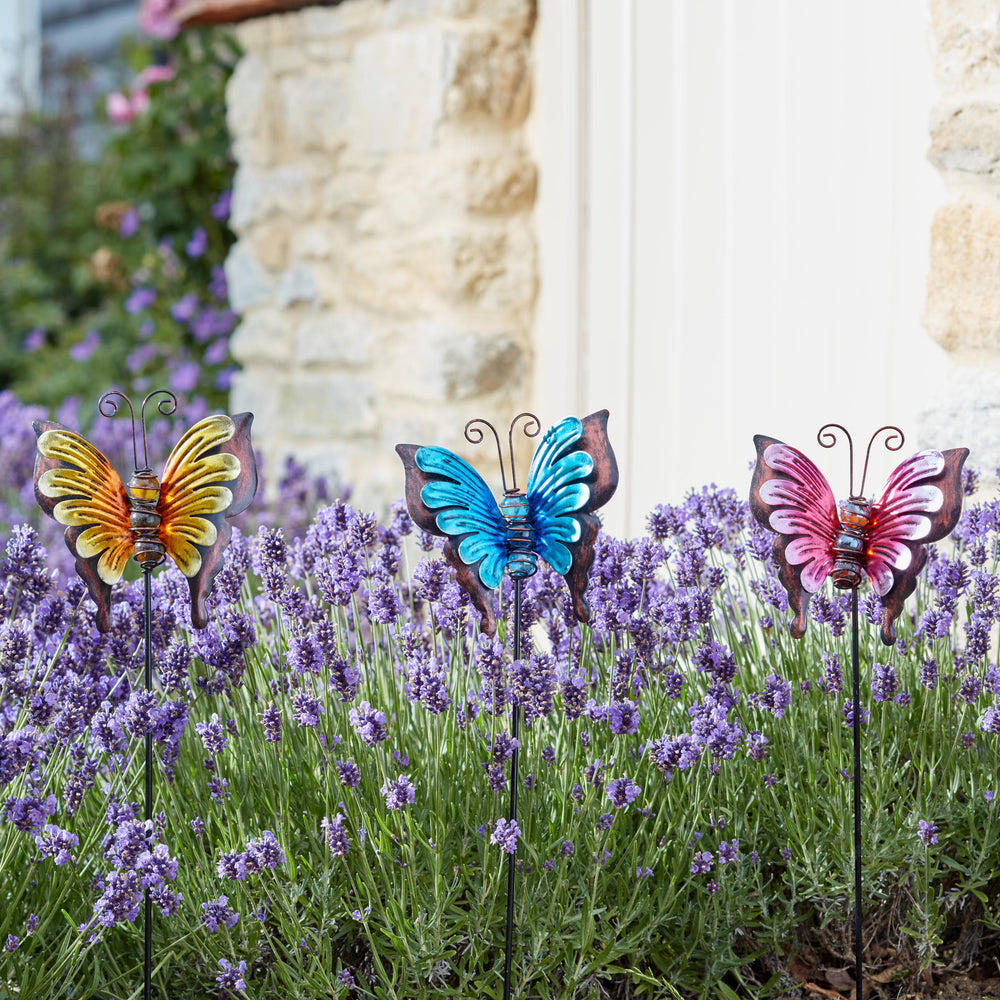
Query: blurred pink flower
{"points": [[140, 102], [154, 74], [156, 18], [120, 108]]}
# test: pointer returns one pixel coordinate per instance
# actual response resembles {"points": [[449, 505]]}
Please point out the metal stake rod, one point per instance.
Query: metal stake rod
{"points": [[147, 954], [856, 683], [515, 720]]}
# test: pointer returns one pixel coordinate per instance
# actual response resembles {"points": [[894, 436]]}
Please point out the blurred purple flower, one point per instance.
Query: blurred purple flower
{"points": [[34, 340], [198, 244], [83, 349]]}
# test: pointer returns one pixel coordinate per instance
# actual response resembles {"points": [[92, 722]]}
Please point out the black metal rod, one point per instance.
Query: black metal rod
{"points": [[515, 719], [856, 685], [147, 928]]}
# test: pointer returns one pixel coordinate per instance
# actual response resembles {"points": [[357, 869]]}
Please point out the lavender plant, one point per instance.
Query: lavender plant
{"points": [[332, 771]]}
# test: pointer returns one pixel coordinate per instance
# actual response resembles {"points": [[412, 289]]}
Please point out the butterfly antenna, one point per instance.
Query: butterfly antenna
{"points": [[167, 405], [474, 435], [108, 406], [827, 438], [531, 429], [893, 442]]}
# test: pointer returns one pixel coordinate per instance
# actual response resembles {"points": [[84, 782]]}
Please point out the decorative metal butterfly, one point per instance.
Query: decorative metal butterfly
{"points": [[884, 539], [573, 473], [209, 477]]}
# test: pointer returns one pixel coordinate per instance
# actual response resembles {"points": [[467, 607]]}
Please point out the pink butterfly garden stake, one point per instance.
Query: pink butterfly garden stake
{"points": [[885, 540]]}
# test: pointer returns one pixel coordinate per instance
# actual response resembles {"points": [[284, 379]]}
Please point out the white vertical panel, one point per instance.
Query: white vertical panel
{"points": [[607, 332], [753, 218]]}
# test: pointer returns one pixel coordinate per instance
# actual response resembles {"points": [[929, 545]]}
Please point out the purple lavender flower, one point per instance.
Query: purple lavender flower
{"points": [[198, 244], [622, 792], [128, 225], [221, 206], [701, 863], [776, 696], [368, 723], [728, 852], [566, 848], [216, 914], [213, 735], [270, 720], [230, 978], [120, 898], [306, 709], [56, 843], [263, 854], [623, 717], [336, 835], [398, 793], [885, 683], [505, 835], [347, 771], [34, 340], [232, 865], [927, 832]]}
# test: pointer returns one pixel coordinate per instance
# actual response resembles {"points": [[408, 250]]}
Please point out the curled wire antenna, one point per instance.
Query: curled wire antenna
{"points": [[108, 406], [893, 442], [166, 406], [827, 438], [531, 428], [474, 435]]}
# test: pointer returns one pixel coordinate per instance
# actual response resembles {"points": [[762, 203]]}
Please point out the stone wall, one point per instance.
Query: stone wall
{"points": [[963, 286], [385, 267]]}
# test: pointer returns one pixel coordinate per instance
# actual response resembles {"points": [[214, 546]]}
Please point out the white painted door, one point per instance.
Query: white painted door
{"points": [[734, 213]]}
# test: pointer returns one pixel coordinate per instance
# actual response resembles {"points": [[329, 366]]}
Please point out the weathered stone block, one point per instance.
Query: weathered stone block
{"points": [[340, 338], [261, 340], [966, 41], [270, 244], [504, 183], [324, 405], [963, 286], [965, 410], [316, 110], [297, 284], [259, 193], [397, 90], [348, 18], [496, 269], [489, 76], [249, 284], [515, 14], [966, 137], [348, 192], [437, 363]]}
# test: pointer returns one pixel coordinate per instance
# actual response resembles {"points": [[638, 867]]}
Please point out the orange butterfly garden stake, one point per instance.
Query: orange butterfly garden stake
{"points": [[209, 477]]}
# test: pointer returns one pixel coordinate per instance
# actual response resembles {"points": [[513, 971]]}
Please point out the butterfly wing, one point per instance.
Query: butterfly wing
{"points": [[573, 473], [921, 503], [790, 496], [447, 497], [77, 487], [210, 477]]}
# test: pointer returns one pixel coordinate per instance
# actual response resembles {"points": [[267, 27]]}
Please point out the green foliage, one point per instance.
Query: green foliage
{"points": [[72, 261]]}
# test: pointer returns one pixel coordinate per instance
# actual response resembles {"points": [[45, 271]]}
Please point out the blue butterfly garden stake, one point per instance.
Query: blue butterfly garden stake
{"points": [[573, 473]]}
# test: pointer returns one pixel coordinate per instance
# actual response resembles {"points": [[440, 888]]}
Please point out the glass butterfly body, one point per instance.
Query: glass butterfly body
{"points": [[572, 474], [885, 540], [209, 477]]}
